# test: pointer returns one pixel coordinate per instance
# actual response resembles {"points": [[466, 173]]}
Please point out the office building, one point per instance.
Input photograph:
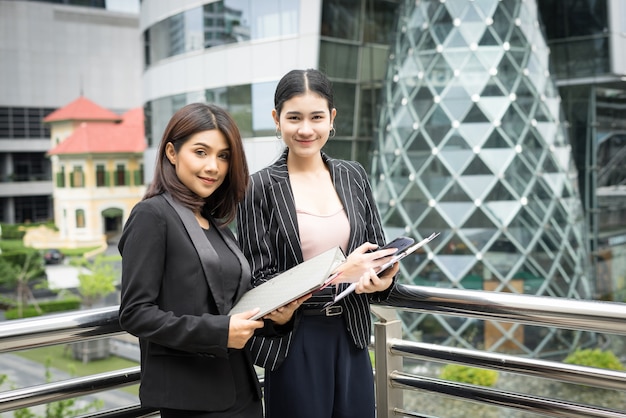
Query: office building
{"points": [[51, 53]]}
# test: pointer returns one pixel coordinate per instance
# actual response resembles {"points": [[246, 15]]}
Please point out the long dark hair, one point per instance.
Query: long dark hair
{"points": [[189, 120], [297, 82]]}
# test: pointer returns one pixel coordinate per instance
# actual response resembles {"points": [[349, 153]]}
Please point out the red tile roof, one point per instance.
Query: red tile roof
{"points": [[104, 138], [82, 109]]}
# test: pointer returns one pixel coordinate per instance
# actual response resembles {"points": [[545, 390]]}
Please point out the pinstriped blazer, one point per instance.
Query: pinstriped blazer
{"points": [[267, 231]]}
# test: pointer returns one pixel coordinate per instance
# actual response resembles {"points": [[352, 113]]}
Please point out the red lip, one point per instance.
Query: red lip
{"points": [[208, 180]]}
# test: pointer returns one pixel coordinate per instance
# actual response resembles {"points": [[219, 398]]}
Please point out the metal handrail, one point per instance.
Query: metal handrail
{"points": [[604, 317]]}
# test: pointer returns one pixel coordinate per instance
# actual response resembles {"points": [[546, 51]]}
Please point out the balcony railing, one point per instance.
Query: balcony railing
{"points": [[392, 382]]}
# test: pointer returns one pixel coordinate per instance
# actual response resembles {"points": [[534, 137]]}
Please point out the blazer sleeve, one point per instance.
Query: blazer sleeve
{"points": [[149, 308]]}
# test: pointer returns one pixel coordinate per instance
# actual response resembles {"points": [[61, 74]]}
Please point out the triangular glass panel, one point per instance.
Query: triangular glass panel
{"points": [[437, 125], [489, 57], [419, 144], [513, 123], [475, 114], [435, 177], [488, 38], [455, 9], [455, 193], [422, 102], [456, 212], [549, 166], [456, 159], [395, 219], [477, 185], [455, 142], [475, 133], [432, 222], [456, 56], [492, 88], [456, 40], [499, 193], [456, 266], [439, 74], [485, 7], [455, 245], [508, 74], [471, 15], [441, 28], [517, 40], [426, 56], [563, 156], [477, 167], [473, 76], [518, 176], [456, 108], [472, 32], [426, 42], [503, 211], [497, 159], [518, 57], [479, 221], [520, 232], [542, 113], [496, 140], [494, 107], [504, 12], [418, 160]]}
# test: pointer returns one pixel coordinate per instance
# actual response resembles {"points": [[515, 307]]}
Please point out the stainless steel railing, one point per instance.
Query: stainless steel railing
{"points": [[391, 380]]}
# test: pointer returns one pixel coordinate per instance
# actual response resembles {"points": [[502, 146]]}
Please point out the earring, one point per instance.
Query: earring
{"points": [[278, 134], [332, 132]]}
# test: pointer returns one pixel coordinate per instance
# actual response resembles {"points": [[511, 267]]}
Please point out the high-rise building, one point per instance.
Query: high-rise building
{"points": [[51, 53]]}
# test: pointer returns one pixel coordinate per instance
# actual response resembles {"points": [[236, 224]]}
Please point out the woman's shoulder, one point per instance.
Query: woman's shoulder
{"points": [[353, 167]]}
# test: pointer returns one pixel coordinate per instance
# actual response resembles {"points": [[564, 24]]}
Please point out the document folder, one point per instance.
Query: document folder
{"points": [[300, 280]]}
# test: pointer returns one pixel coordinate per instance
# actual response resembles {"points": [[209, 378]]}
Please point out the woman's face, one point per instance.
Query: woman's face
{"points": [[305, 123], [202, 161]]}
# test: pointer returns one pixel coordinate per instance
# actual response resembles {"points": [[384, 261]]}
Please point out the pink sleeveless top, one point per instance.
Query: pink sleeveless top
{"points": [[319, 233]]}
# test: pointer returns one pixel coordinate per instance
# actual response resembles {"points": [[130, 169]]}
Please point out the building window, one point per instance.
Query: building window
{"points": [[101, 176], [138, 176], [77, 177], [80, 218], [120, 175], [61, 177]]}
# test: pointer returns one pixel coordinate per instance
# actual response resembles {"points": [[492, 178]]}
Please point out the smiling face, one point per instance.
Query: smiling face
{"points": [[305, 123], [202, 161]]}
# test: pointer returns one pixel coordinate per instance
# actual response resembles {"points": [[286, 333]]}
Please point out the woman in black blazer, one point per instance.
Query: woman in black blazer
{"points": [[303, 204], [182, 271]]}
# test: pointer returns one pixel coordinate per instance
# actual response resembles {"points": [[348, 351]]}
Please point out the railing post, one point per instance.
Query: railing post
{"points": [[387, 327]]}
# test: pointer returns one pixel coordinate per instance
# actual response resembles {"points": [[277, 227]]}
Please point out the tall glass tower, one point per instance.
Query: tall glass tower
{"points": [[472, 144]]}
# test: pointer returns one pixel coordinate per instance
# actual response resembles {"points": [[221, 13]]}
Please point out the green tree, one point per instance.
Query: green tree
{"points": [[97, 279], [18, 270]]}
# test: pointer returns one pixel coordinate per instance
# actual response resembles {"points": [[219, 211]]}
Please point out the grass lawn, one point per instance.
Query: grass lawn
{"points": [[62, 359]]}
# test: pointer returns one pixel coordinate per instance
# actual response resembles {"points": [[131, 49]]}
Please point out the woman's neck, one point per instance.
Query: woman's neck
{"points": [[307, 165]]}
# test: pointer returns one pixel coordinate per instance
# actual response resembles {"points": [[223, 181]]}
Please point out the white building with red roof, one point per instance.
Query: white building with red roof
{"points": [[97, 168]]}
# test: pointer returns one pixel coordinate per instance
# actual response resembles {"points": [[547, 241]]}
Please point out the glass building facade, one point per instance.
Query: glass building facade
{"points": [[472, 145]]}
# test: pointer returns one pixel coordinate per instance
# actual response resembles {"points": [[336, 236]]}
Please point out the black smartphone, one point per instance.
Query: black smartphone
{"points": [[401, 243]]}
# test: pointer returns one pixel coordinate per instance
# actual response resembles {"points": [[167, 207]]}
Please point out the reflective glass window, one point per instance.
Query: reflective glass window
{"points": [[345, 96], [341, 19], [339, 60], [240, 107], [218, 23], [262, 105]]}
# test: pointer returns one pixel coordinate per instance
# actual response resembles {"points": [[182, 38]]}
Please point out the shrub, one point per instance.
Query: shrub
{"points": [[594, 358], [61, 305], [467, 374]]}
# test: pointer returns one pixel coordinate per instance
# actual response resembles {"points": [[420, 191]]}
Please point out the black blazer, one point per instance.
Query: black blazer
{"points": [[267, 231], [175, 304]]}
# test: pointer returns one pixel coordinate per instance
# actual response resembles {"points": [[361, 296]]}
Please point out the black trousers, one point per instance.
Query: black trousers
{"points": [[324, 375]]}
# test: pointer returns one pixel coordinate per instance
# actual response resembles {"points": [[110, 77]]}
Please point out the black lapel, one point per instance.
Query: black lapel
{"points": [[205, 250], [281, 197]]}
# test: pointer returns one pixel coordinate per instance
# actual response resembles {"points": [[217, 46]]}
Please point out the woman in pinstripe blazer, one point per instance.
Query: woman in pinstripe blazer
{"points": [[303, 204]]}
